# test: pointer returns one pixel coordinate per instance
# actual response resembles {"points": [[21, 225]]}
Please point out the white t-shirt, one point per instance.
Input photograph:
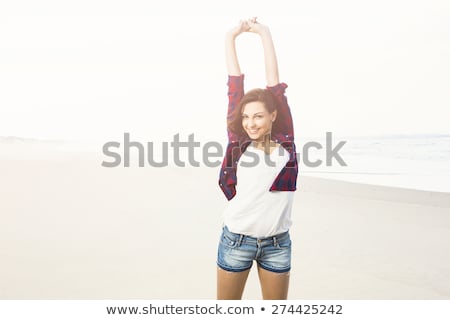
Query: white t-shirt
{"points": [[255, 211]]}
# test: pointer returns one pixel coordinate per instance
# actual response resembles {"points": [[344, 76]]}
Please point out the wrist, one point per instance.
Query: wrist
{"points": [[231, 35], [264, 31]]}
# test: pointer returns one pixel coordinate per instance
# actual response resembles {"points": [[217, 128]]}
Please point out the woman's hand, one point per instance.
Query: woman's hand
{"points": [[256, 27], [240, 28]]}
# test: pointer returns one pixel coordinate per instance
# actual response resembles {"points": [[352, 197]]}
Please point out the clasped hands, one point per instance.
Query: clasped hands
{"points": [[249, 25]]}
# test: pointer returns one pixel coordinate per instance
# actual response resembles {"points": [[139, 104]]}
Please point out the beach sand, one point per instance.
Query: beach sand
{"points": [[72, 229]]}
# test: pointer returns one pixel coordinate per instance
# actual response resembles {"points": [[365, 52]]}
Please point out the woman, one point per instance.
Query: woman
{"points": [[258, 177]]}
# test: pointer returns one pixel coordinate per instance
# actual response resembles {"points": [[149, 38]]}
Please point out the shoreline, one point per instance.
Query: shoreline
{"points": [[374, 192]]}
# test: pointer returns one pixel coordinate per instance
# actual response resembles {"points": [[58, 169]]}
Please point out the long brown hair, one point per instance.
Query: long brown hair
{"points": [[234, 123]]}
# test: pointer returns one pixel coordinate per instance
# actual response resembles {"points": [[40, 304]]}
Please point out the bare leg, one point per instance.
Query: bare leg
{"points": [[230, 285], [274, 286]]}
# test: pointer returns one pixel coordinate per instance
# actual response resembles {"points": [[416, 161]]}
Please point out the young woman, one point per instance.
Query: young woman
{"points": [[258, 177]]}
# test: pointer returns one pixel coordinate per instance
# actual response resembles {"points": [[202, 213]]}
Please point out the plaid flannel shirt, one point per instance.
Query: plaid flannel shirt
{"points": [[237, 144]]}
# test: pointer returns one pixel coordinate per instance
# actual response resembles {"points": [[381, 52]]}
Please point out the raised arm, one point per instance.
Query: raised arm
{"points": [[232, 62], [235, 77], [270, 58], [284, 118]]}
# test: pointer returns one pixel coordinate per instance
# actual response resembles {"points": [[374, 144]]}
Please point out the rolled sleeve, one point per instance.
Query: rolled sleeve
{"points": [[284, 111], [236, 84], [235, 94]]}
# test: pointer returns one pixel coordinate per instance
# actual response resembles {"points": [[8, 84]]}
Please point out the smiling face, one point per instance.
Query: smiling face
{"points": [[254, 114], [256, 120]]}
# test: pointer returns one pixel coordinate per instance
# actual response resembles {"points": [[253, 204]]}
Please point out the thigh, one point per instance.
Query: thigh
{"points": [[274, 285], [230, 285]]}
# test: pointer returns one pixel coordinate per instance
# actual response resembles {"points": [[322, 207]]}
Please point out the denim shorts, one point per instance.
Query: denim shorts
{"points": [[237, 251]]}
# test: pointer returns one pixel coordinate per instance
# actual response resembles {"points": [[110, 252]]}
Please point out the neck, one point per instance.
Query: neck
{"points": [[263, 143]]}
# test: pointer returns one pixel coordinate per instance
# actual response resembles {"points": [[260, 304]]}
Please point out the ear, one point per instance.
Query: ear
{"points": [[274, 115]]}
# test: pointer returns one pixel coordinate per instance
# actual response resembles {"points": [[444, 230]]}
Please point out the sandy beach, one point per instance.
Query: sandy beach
{"points": [[72, 229]]}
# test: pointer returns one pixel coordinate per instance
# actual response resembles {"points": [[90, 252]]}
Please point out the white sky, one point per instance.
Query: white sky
{"points": [[96, 69]]}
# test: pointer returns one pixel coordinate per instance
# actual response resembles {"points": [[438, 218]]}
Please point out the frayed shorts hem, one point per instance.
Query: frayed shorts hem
{"points": [[230, 269], [273, 270]]}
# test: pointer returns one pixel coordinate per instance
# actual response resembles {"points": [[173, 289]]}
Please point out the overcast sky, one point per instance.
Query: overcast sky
{"points": [[96, 69]]}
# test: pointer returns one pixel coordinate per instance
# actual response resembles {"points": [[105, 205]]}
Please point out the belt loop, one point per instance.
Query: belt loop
{"points": [[240, 240], [275, 242]]}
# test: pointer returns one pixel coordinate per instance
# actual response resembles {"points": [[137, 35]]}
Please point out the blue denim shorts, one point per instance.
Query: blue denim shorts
{"points": [[237, 251]]}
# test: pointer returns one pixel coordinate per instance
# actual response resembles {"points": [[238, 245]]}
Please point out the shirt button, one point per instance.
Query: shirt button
{"points": [[225, 172]]}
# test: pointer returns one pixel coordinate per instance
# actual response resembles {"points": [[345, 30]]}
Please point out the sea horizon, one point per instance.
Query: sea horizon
{"points": [[413, 161]]}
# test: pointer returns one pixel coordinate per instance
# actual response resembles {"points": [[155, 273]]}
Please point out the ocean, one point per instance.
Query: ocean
{"points": [[419, 162]]}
